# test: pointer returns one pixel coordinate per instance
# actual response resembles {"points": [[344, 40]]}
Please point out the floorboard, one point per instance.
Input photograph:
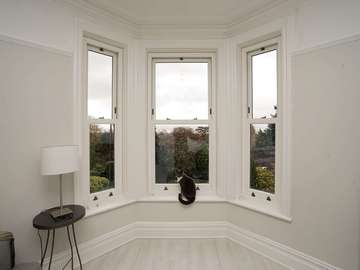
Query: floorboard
{"points": [[179, 254]]}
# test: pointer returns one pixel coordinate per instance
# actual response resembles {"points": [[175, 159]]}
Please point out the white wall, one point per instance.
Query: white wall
{"points": [[315, 230], [37, 108]]}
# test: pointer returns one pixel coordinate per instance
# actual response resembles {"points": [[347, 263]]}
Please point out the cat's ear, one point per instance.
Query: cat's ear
{"points": [[178, 178]]}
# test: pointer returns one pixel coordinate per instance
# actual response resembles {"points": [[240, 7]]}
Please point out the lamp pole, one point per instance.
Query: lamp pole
{"points": [[61, 198]]}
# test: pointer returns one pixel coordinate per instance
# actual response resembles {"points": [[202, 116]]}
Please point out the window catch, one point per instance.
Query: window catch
{"points": [[165, 188], [253, 194], [95, 198], [115, 110], [210, 111], [249, 110], [152, 111], [197, 188], [111, 194], [268, 198]]}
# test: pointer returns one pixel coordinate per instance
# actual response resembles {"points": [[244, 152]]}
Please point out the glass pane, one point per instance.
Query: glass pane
{"points": [[264, 84], [262, 157], [101, 157], [181, 91], [181, 149], [99, 85]]}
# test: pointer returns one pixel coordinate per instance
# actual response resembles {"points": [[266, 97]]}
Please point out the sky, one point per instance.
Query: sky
{"points": [[181, 88]]}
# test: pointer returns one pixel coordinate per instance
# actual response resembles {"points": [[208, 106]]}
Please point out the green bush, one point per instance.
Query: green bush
{"points": [[98, 183], [265, 180]]}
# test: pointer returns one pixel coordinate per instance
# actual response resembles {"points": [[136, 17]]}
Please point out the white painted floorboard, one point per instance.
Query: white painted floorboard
{"points": [[182, 254]]}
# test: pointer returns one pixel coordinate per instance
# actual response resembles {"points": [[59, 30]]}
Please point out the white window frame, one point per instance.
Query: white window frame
{"points": [[208, 189], [103, 197], [261, 198]]}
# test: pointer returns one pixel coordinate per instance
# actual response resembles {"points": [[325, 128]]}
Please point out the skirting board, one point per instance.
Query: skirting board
{"points": [[276, 252]]}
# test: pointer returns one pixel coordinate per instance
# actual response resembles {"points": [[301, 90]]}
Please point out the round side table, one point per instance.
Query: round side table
{"points": [[44, 221]]}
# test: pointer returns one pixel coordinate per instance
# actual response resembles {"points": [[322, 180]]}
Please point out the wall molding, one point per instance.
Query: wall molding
{"points": [[34, 45], [329, 44], [279, 253]]}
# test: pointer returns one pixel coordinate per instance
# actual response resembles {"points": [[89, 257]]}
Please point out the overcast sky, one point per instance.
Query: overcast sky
{"points": [[181, 88]]}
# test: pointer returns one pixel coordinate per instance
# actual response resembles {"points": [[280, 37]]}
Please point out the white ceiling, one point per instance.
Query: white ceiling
{"points": [[184, 12]]}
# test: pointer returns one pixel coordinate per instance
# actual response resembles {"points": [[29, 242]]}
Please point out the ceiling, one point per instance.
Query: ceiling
{"points": [[184, 12]]}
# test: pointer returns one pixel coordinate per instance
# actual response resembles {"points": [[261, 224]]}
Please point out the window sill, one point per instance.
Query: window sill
{"points": [[262, 209], [245, 203], [93, 211], [201, 199]]}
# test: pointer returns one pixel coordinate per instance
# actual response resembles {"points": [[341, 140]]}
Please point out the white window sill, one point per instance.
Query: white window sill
{"points": [[245, 203], [93, 211], [272, 211], [159, 198]]}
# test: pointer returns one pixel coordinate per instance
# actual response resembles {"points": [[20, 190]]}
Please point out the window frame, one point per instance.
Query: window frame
{"points": [[261, 197], [170, 189], [103, 197]]}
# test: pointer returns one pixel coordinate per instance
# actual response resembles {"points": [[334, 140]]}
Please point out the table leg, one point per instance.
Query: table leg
{"points": [[43, 252], [52, 248], [72, 252], [76, 246]]}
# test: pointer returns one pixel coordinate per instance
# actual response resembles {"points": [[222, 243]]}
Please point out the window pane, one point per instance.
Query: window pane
{"points": [[181, 149], [181, 91], [262, 157], [99, 85], [264, 84], [101, 157]]}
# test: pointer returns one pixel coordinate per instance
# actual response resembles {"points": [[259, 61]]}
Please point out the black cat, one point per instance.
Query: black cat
{"points": [[188, 189]]}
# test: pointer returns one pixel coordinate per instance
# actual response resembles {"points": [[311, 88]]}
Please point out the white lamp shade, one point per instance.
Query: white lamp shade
{"points": [[59, 159]]}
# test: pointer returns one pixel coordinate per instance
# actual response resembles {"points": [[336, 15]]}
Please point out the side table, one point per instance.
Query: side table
{"points": [[44, 221]]}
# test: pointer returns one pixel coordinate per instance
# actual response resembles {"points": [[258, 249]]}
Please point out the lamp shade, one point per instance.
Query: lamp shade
{"points": [[59, 159]]}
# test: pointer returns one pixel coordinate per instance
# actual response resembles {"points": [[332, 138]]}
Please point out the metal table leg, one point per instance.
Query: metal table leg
{"points": [[43, 252], [71, 247], [76, 246], [52, 248]]}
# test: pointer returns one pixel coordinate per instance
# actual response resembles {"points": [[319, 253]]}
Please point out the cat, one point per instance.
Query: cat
{"points": [[188, 189]]}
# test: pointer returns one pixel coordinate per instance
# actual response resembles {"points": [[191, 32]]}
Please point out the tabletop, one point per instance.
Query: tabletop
{"points": [[44, 221]]}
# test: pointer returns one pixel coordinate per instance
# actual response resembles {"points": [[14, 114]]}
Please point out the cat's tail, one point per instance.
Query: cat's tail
{"points": [[186, 202]]}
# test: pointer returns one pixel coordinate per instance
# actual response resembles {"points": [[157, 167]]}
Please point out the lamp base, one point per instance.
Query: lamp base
{"points": [[61, 213]]}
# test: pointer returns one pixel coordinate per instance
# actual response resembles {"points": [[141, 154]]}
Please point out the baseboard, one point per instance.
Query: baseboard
{"points": [[276, 252]]}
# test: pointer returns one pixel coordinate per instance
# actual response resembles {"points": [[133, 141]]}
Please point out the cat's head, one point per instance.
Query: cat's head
{"points": [[179, 174]]}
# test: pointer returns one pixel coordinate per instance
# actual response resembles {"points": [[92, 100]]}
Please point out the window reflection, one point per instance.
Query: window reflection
{"points": [[181, 149], [101, 157], [181, 91], [262, 157], [264, 84], [99, 85]]}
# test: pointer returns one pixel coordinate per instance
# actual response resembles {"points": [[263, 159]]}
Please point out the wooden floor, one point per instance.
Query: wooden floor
{"points": [[184, 254]]}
